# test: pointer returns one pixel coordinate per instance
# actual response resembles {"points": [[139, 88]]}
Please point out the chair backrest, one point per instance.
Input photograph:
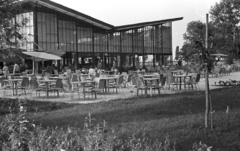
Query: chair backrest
{"points": [[102, 84], [74, 78], [130, 72], [129, 78], [134, 80], [140, 82], [59, 83], [66, 84], [161, 77], [55, 71], [120, 80], [170, 79], [33, 83], [83, 77], [25, 82], [198, 77], [163, 81]]}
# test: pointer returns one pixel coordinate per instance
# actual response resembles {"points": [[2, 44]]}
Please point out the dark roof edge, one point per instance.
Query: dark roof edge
{"points": [[151, 23], [74, 12]]}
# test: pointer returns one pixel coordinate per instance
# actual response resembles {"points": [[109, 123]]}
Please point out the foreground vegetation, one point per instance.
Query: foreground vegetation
{"points": [[175, 121]]}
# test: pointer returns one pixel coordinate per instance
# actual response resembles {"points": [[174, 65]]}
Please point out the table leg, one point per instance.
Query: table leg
{"points": [[13, 88], [180, 86], [16, 88], [47, 89]]}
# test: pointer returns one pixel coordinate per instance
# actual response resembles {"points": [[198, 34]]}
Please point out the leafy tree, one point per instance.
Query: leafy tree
{"points": [[226, 18], [9, 29], [195, 33]]}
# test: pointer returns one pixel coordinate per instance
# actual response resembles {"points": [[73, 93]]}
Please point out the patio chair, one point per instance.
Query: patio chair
{"points": [[117, 85], [58, 87], [134, 83], [125, 78], [194, 81], [33, 86], [67, 88], [55, 72], [99, 89], [171, 81], [6, 85], [140, 85], [75, 83], [24, 85], [156, 84]]}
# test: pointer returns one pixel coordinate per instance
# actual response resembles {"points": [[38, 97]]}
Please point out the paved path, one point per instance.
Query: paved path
{"points": [[127, 92]]}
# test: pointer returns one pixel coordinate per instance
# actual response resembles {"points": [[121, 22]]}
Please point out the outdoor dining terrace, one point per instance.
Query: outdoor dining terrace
{"points": [[80, 87]]}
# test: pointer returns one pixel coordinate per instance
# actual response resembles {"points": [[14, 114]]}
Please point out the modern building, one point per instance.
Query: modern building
{"points": [[86, 40]]}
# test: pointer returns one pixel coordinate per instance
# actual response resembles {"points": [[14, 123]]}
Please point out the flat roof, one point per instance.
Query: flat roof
{"points": [[94, 21], [151, 23], [71, 12]]}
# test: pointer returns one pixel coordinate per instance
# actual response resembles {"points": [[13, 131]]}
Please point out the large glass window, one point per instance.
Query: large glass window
{"points": [[114, 42], [138, 41], [100, 42], [84, 39], [47, 31], [67, 35], [149, 39], [127, 39], [167, 38], [26, 31]]}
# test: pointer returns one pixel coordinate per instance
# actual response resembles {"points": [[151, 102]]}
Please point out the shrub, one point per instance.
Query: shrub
{"points": [[19, 134]]}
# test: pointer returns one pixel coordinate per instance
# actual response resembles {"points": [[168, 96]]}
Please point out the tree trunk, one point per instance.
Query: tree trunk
{"points": [[206, 79], [207, 98]]}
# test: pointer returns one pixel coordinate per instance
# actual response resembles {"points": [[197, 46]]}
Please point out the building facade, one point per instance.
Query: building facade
{"points": [[88, 41]]}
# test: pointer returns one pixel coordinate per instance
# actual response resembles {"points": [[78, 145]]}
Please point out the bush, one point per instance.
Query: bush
{"points": [[19, 134]]}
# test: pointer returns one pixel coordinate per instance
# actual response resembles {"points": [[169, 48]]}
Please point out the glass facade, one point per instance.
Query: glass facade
{"points": [[52, 30], [84, 39], [100, 42], [167, 38], [47, 32], [27, 31], [67, 35]]}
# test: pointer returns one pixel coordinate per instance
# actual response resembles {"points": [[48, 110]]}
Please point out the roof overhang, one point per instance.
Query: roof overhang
{"points": [[73, 13], [151, 23]]}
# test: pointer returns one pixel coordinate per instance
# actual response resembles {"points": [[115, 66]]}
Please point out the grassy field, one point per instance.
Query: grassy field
{"points": [[181, 116]]}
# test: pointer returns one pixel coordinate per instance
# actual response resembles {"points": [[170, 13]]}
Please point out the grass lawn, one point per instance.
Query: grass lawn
{"points": [[181, 116]]}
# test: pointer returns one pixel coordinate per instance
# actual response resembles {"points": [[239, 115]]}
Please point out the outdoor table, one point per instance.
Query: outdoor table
{"points": [[107, 79], [180, 79], [176, 72], [109, 72], [55, 78], [148, 75], [150, 81], [139, 72], [14, 85], [47, 81], [83, 83]]}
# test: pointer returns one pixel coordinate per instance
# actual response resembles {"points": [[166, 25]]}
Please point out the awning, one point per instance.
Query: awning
{"points": [[58, 52], [42, 55]]}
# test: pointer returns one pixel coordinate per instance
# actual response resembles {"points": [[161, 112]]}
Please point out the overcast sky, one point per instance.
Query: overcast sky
{"points": [[122, 12]]}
